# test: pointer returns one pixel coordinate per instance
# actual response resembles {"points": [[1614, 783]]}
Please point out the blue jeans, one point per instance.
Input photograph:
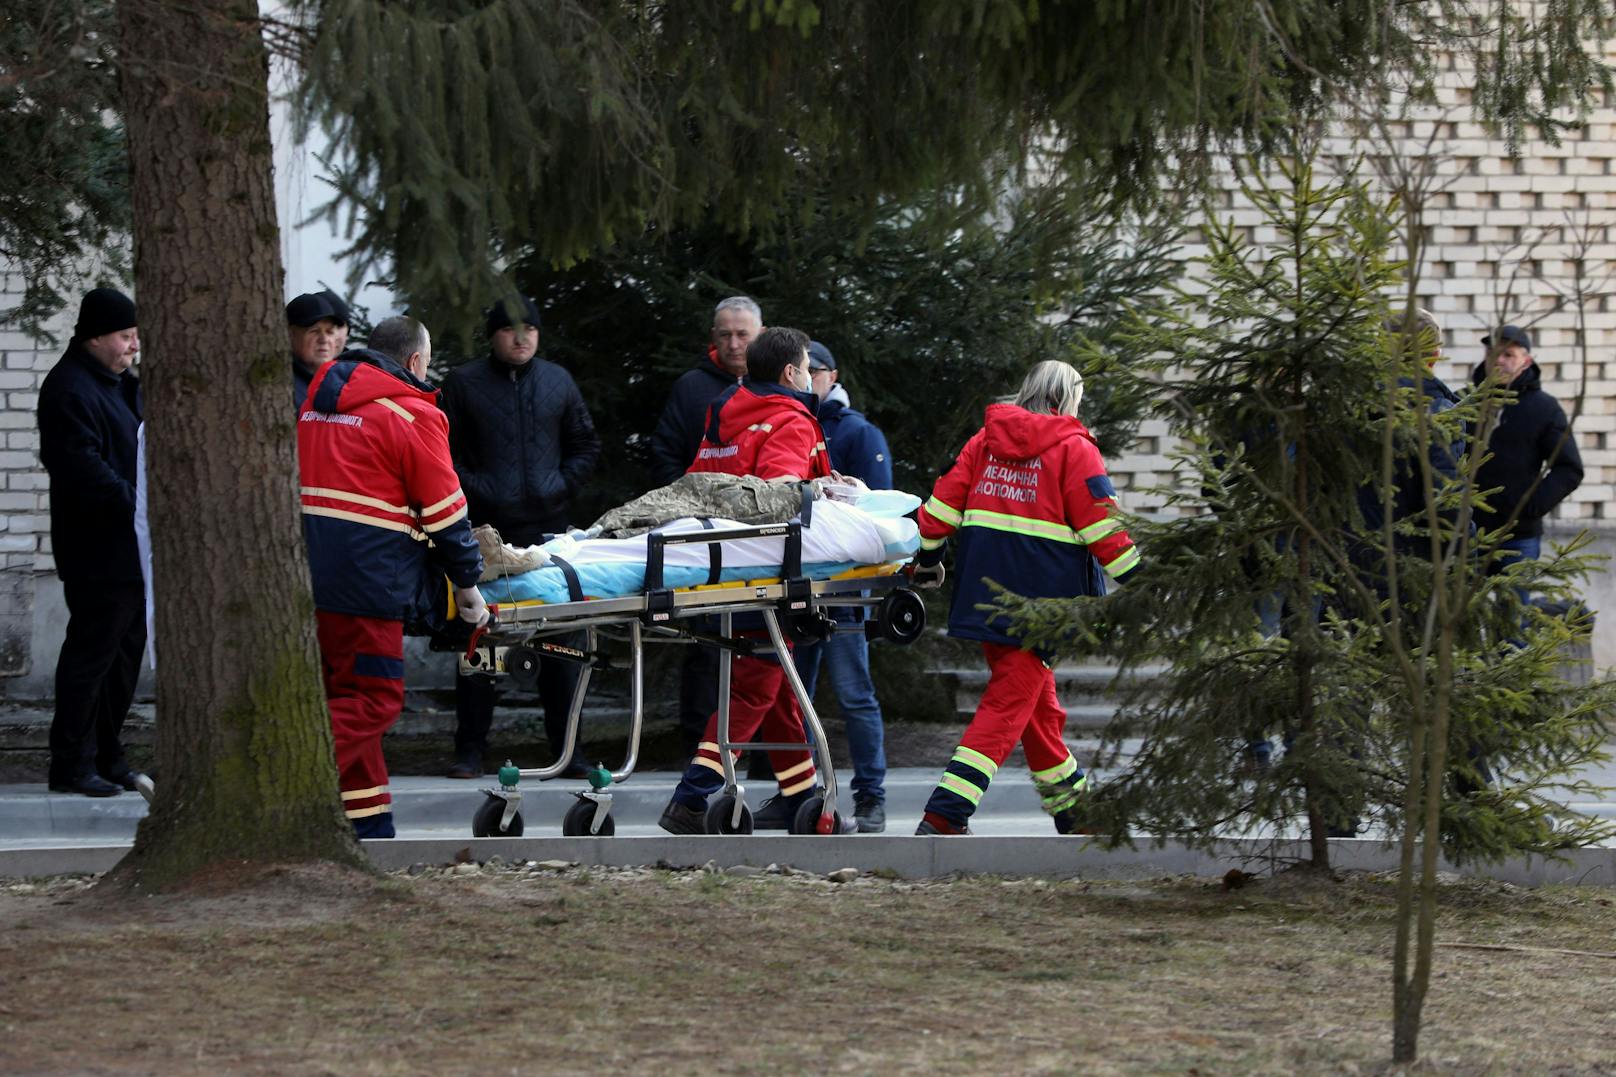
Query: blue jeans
{"points": [[848, 656], [1516, 550]]}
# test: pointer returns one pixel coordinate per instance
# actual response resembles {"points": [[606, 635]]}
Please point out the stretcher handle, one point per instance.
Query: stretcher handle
{"points": [[657, 542], [481, 630]]}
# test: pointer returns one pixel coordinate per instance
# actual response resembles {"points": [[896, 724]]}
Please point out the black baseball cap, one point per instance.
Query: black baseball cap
{"points": [[311, 307], [1510, 334]]}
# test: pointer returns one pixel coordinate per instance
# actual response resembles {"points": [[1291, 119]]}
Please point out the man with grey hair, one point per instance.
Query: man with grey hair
{"points": [[737, 321]]}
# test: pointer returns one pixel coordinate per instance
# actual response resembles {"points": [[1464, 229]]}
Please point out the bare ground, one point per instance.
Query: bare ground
{"points": [[524, 969]]}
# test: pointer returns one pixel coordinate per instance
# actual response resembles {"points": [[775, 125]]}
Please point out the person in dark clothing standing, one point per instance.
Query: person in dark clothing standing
{"points": [[317, 327], [1531, 440], [89, 411], [737, 321], [858, 448], [523, 443]]}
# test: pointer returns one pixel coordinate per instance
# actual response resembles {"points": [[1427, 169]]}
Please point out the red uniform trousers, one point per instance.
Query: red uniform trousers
{"points": [[363, 659], [1019, 704], [760, 700]]}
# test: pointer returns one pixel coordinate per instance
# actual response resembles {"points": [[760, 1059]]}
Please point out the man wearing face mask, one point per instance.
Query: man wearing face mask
{"points": [[764, 427], [317, 326], [89, 412]]}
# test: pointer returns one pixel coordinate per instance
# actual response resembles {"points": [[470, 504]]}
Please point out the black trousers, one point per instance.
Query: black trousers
{"points": [[95, 678], [475, 698]]}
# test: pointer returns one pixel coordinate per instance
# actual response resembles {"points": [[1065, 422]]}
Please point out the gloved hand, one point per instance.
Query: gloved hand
{"points": [[471, 607], [928, 576]]}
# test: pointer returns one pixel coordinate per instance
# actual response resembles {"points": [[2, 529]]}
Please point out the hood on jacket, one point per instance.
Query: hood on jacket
{"points": [[747, 405], [1527, 380], [360, 376], [1015, 433]]}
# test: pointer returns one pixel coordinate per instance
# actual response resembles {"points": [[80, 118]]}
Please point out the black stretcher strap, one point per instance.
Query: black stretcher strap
{"points": [[575, 590], [807, 513], [715, 556]]}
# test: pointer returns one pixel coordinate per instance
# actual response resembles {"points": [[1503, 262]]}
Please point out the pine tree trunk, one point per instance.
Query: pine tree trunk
{"points": [[244, 759]]}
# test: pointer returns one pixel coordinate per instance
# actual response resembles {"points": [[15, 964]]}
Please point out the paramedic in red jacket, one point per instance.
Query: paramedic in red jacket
{"points": [[385, 519], [1033, 510], [763, 427]]}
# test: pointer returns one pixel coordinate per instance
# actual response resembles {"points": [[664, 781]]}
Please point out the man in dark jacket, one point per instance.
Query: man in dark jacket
{"points": [[857, 448], [523, 444], [89, 411], [737, 321], [1531, 440], [317, 326]]}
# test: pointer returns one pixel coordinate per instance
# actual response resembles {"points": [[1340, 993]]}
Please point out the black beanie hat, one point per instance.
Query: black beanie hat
{"points": [[102, 311], [497, 319]]}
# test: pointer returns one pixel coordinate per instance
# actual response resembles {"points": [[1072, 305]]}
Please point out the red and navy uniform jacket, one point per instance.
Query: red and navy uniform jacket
{"points": [[382, 505], [763, 430], [1034, 512]]}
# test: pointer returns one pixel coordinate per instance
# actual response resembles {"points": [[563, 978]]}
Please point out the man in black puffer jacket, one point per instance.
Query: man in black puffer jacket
{"points": [[89, 415], [1531, 439], [523, 443]]}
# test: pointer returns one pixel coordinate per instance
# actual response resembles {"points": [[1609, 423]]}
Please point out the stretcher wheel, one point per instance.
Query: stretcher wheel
{"points": [[806, 821], [902, 616], [522, 664], [485, 824], [575, 824], [718, 813]]}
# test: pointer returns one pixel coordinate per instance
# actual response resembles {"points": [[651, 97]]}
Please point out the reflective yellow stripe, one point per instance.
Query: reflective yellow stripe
{"points": [[1128, 559], [764, 427], [797, 787], [439, 525], [365, 813], [710, 764], [1095, 532], [1021, 525], [931, 544], [361, 794], [396, 408], [358, 518], [1064, 769], [955, 784], [789, 772], [357, 499], [975, 759], [943, 511], [445, 503]]}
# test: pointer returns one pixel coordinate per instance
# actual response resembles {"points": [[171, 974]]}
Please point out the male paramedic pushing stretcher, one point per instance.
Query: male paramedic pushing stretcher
{"points": [[766, 428], [380, 499]]}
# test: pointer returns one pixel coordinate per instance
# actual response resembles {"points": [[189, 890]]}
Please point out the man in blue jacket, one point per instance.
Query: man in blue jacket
{"points": [[317, 329], [858, 448], [523, 444], [89, 411]]}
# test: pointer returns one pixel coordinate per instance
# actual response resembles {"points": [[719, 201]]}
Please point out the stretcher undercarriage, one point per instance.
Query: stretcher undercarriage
{"points": [[789, 604]]}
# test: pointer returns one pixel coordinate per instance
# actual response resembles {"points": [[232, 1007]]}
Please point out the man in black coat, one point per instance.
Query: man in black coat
{"points": [[737, 321], [523, 443], [89, 413], [317, 328], [1532, 439]]}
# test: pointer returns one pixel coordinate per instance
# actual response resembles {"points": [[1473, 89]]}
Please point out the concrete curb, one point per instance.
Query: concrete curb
{"points": [[906, 856]]}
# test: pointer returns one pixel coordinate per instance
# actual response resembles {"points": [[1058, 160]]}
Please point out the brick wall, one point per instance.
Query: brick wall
{"points": [[24, 488], [1485, 221]]}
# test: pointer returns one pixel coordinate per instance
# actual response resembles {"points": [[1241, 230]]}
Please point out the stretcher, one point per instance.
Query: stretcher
{"points": [[790, 601]]}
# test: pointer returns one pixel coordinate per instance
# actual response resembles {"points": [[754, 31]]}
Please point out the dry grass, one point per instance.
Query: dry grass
{"points": [[526, 970]]}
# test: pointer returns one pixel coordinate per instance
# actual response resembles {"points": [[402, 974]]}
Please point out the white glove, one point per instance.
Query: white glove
{"points": [[471, 607], [928, 576]]}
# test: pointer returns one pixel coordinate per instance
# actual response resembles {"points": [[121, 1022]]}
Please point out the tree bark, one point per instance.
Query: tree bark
{"points": [[244, 760]]}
